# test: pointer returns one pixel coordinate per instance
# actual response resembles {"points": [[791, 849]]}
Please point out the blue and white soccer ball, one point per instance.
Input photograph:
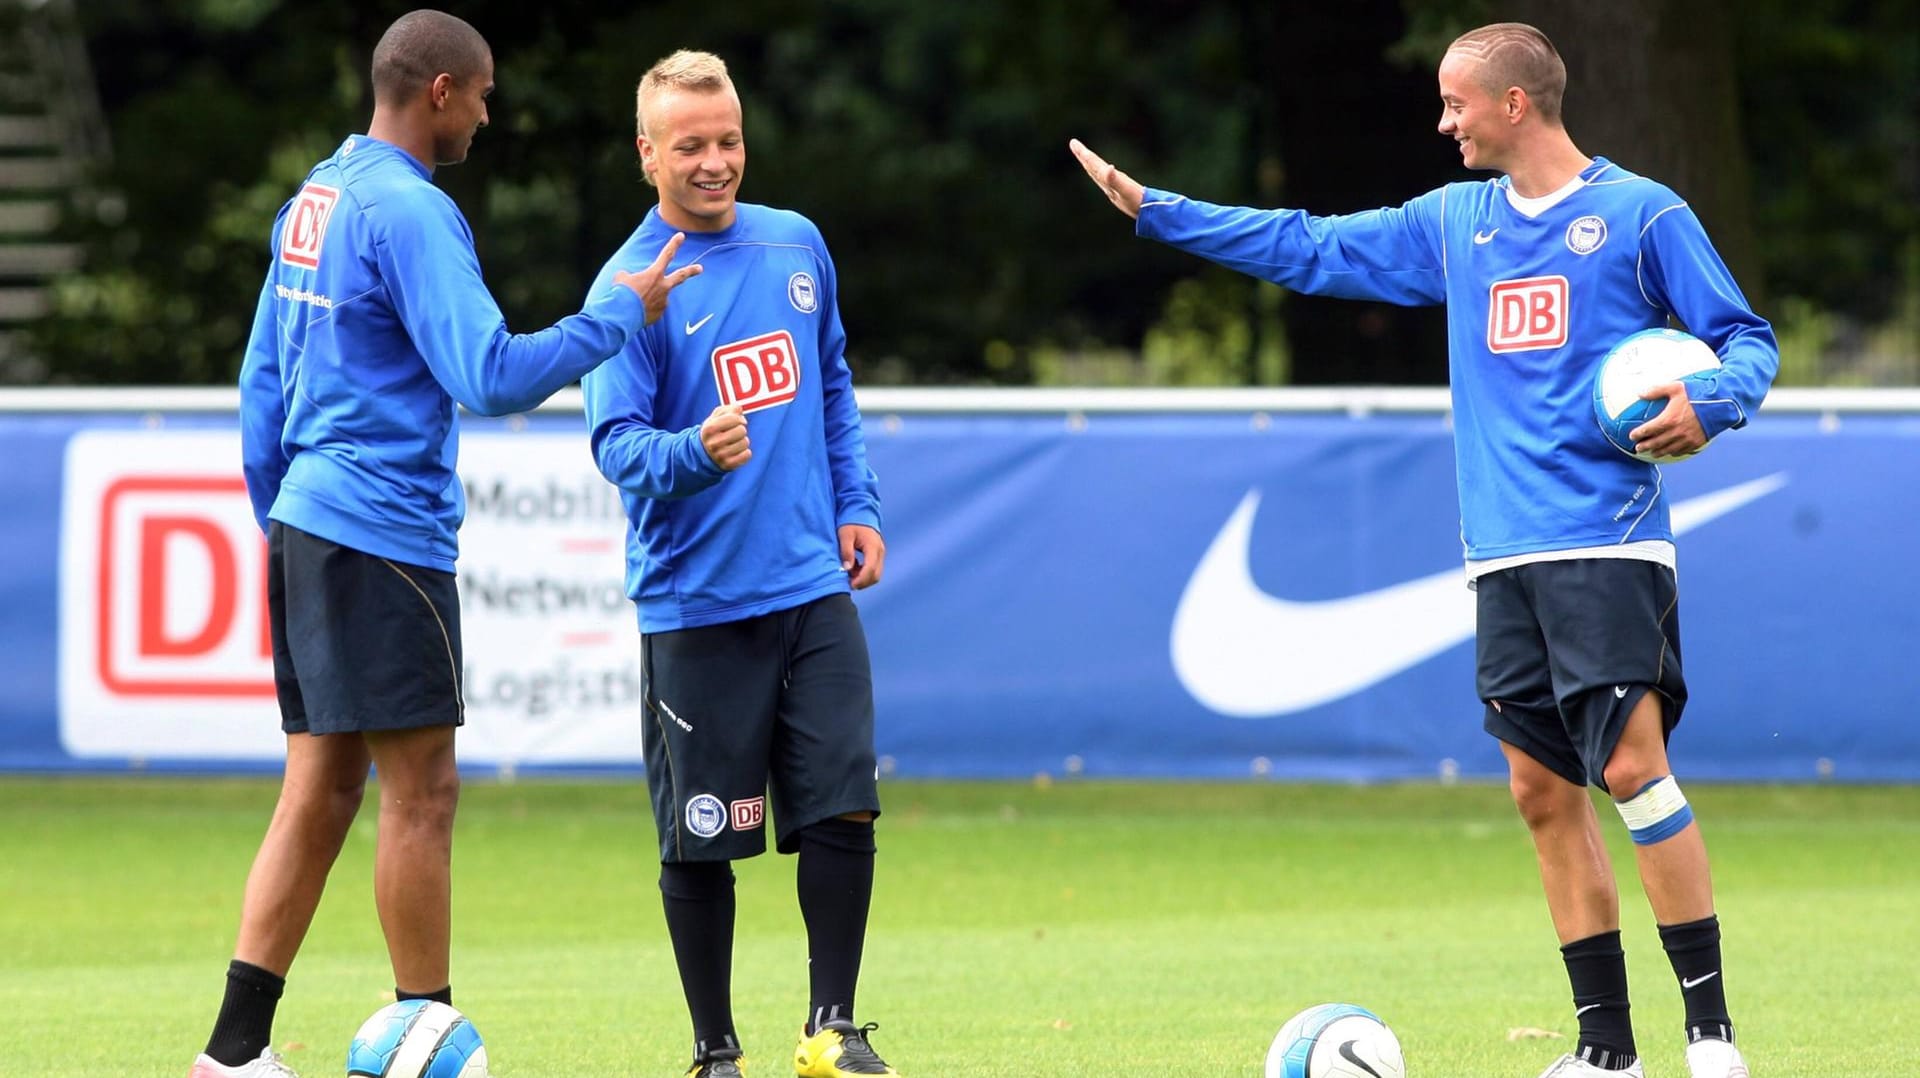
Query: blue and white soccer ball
{"points": [[1335, 1040], [417, 1038], [1638, 363]]}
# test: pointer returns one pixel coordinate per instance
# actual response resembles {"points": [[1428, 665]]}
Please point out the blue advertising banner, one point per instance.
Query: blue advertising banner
{"points": [[1227, 594]]}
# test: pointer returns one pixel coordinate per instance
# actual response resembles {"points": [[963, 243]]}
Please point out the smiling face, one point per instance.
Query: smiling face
{"points": [[694, 150], [1478, 118]]}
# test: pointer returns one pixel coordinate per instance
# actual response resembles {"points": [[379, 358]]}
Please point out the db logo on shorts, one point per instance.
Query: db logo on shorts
{"points": [[749, 813], [1527, 314], [758, 372]]}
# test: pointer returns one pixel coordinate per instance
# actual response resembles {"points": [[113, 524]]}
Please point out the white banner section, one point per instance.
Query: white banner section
{"points": [[164, 651]]}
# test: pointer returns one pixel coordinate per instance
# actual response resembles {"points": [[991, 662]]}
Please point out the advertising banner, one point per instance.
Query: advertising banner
{"points": [[164, 651], [1226, 594]]}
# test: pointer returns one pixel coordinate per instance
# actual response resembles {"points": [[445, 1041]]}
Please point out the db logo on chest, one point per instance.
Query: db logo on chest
{"points": [[758, 372], [1527, 314]]}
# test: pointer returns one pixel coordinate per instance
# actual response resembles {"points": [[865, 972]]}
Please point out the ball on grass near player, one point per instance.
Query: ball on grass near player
{"points": [[417, 1038], [1335, 1040], [1646, 359]]}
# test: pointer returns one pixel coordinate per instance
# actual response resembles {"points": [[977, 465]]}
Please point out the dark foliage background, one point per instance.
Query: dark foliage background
{"points": [[928, 142]]}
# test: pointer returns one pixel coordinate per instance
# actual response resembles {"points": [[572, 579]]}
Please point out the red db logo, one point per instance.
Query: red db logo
{"points": [[1527, 314], [182, 605], [759, 372], [749, 814], [307, 225]]}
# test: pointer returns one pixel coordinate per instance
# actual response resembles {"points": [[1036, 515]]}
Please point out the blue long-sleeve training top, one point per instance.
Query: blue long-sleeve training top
{"points": [[1534, 302], [373, 323], [759, 327]]}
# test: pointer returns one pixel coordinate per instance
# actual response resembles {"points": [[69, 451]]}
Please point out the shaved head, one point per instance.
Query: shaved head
{"points": [[1515, 54], [419, 47]]}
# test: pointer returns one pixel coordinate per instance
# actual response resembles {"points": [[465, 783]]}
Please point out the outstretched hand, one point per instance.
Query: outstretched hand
{"points": [[1120, 188], [653, 283]]}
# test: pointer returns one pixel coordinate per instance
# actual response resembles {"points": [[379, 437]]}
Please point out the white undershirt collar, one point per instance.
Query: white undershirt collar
{"points": [[1534, 207]]}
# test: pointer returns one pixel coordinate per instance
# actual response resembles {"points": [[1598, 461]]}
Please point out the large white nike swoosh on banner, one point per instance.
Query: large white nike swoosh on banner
{"points": [[1247, 654]]}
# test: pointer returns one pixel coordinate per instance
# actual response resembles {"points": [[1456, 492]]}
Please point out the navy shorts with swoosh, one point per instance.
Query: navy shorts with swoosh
{"points": [[1565, 649], [360, 642]]}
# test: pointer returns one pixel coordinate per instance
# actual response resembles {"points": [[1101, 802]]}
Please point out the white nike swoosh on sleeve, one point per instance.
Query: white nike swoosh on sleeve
{"points": [[1246, 654]]}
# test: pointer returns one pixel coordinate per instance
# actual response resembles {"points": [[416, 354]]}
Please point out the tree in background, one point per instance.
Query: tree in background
{"points": [[928, 141], [1831, 91]]}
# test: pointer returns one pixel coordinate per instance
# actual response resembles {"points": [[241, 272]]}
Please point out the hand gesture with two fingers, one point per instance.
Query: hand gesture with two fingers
{"points": [[653, 283]]}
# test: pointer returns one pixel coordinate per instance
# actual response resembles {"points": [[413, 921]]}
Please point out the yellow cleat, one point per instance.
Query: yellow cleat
{"points": [[730, 1067], [839, 1050]]}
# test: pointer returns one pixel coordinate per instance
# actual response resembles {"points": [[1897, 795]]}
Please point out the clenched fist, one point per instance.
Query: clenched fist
{"points": [[724, 436]]}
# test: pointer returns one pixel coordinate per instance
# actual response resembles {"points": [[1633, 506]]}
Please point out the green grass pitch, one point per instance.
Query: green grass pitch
{"points": [[1079, 928]]}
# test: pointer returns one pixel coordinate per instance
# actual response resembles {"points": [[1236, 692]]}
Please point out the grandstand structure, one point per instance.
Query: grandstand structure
{"points": [[53, 138]]}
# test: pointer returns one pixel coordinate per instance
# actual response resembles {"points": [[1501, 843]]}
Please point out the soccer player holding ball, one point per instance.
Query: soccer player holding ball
{"points": [[730, 428], [1568, 543]]}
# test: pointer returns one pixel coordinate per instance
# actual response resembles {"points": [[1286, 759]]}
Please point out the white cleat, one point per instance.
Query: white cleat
{"points": [[267, 1066], [1714, 1058], [1569, 1067]]}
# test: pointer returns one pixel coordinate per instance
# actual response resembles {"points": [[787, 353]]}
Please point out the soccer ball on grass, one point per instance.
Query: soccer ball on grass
{"points": [[1335, 1040], [417, 1038]]}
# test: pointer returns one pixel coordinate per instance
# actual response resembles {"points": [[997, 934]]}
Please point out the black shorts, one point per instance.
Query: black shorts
{"points": [[1565, 649], [360, 642], [779, 704]]}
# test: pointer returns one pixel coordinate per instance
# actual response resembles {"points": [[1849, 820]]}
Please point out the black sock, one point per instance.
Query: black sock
{"points": [[830, 1012], [1694, 950], [245, 1025], [698, 897], [724, 1047], [835, 881], [1597, 967], [438, 995]]}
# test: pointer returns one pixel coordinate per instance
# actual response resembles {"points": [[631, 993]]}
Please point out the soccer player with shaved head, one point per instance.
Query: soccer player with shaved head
{"points": [[1568, 541], [730, 428], [372, 327]]}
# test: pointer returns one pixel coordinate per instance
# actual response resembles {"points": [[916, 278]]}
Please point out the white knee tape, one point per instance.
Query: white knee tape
{"points": [[1658, 812]]}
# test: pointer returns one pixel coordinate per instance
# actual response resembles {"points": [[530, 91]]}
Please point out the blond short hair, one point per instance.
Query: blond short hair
{"points": [[684, 70], [1515, 54]]}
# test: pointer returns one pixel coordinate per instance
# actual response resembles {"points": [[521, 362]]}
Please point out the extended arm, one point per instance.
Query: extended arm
{"points": [[430, 267], [1392, 255]]}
